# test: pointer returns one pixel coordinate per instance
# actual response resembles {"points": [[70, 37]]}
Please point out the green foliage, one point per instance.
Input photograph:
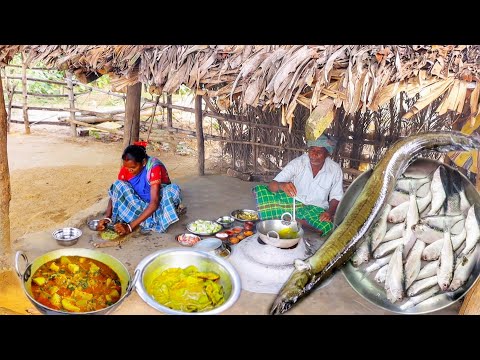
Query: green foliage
{"points": [[103, 82], [184, 90]]}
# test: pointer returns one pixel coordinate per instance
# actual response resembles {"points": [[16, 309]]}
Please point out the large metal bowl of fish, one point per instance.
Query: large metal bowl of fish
{"points": [[448, 209], [166, 278]]}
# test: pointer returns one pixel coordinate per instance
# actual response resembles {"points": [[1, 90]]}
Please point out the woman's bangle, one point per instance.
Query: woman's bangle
{"points": [[109, 220], [129, 227]]}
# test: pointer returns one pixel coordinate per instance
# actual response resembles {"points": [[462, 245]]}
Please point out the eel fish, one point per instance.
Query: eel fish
{"points": [[349, 234]]}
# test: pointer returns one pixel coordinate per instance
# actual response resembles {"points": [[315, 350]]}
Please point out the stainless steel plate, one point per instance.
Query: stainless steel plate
{"points": [[367, 287], [236, 213]]}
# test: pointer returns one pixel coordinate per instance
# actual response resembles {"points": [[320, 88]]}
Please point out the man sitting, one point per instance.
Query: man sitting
{"points": [[316, 182]]}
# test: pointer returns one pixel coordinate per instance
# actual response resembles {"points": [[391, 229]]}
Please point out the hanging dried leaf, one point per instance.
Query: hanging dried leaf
{"points": [[428, 94], [320, 119]]}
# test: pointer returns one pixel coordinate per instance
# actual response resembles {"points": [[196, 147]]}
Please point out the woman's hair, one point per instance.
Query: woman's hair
{"points": [[135, 152]]}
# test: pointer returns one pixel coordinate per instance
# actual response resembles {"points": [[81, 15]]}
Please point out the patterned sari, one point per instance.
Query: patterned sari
{"points": [[128, 205]]}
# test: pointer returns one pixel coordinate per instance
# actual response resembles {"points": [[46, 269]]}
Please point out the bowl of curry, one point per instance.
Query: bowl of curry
{"points": [[74, 281], [187, 282]]}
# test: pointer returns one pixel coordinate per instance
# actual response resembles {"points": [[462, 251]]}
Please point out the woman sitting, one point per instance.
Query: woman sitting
{"points": [[142, 196]]}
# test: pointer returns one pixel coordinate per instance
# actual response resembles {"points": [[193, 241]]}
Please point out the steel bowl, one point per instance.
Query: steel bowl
{"points": [[253, 213], [152, 265], [226, 221], [366, 286], [190, 228], [67, 236], [30, 268]]}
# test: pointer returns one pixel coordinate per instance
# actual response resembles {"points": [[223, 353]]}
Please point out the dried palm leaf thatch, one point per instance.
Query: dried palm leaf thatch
{"points": [[355, 77], [467, 160]]}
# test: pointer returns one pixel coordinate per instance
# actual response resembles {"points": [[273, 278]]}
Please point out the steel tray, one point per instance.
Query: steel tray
{"points": [[374, 292]]}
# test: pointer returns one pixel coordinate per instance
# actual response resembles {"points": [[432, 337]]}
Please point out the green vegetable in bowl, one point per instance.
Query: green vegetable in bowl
{"points": [[205, 227]]}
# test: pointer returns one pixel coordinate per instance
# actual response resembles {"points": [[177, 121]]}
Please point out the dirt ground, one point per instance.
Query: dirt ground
{"points": [[54, 176]]}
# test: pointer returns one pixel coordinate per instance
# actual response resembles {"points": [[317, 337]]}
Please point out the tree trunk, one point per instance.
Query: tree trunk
{"points": [[5, 245], [132, 114], [200, 138]]}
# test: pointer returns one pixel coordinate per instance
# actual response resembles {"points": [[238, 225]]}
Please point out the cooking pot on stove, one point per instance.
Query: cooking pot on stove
{"points": [[269, 232]]}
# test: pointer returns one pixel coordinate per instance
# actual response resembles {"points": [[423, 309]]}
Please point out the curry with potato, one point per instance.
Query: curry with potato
{"points": [[76, 284]]}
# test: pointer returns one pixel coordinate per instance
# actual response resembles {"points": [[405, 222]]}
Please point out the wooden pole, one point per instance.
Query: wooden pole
{"points": [[169, 111], [200, 138], [71, 101], [25, 96], [132, 114], [5, 244]]}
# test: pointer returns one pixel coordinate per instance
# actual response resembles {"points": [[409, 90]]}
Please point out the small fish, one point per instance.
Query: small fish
{"points": [[397, 198], [395, 232], [378, 264], [453, 187], [446, 263], [381, 274], [350, 233], [404, 183], [395, 276], [380, 228], [473, 230], [440, 222], [438, 191], [432, 251], [427, 234], [432, 301], [430, 269], [423, 190], [413, 263], [420, 286], [362, 254], [399, 213], [463, 269], [414, 300], [413, 216], [387, 248]]}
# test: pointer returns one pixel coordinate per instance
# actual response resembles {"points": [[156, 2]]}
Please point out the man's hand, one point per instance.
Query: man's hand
{"points": [[289, 188], [325, 216]]}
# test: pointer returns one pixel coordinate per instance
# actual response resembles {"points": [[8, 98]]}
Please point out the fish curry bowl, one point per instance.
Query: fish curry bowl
{"points": [[183, 281], [75, 281], [367, 277]]}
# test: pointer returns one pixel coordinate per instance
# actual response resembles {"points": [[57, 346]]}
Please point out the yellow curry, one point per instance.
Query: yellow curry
{"points": [[75, 284], [187, 290]]}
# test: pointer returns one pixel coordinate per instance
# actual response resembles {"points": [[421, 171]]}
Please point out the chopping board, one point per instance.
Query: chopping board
{"points": [[99, 242]]}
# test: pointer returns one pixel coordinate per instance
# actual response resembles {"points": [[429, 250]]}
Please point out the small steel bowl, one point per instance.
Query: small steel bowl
{"points": [[67, 236], [92, 224], [226, 221]]}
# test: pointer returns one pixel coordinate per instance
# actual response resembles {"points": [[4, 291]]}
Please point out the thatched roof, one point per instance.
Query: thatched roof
{"points": [[272, 76]]}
